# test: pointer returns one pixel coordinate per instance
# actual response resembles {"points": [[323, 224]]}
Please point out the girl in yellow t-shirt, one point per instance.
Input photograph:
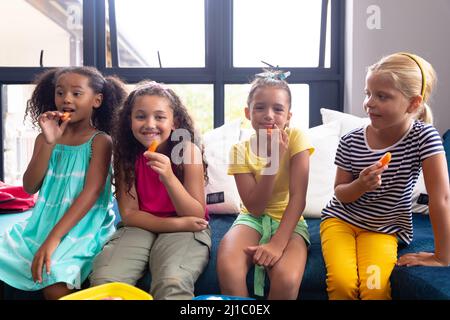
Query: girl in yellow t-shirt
{"points": [[270, 232]]}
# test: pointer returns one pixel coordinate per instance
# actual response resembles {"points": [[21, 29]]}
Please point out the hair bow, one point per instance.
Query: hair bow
{"points": [[274, 75]]}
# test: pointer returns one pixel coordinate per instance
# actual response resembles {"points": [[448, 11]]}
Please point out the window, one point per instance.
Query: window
{"points": [[154, 33], [303, 37], [29, 26], [198, 99], [18, 135], [207, 50], [287, 34]]}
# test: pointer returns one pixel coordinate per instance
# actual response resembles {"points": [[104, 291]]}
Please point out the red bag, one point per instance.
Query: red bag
{"points": [[15, 199]]}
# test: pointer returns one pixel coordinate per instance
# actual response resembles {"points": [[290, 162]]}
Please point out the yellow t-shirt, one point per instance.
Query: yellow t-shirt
{"points": [[243, 160]]}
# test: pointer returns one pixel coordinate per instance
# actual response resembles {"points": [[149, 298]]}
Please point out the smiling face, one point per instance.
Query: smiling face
{"points": [[74, 95], [269, 107], [386, 106], [152, 119]]}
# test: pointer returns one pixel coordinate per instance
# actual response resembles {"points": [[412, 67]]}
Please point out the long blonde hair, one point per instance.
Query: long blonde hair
{"points": [[413, 76]]}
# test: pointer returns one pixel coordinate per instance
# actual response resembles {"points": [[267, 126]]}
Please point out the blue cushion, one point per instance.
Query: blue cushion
{"points": [[420, 282], [446, 142], [407, 283]]}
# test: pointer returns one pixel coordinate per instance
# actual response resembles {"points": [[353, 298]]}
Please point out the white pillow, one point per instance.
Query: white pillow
{"points": [[349, 122], [221, 188], [419, 188], [322, 170], [246, 134]]}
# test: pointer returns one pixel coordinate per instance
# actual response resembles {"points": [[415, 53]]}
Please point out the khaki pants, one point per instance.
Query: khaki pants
{"points": [[175, 260]]}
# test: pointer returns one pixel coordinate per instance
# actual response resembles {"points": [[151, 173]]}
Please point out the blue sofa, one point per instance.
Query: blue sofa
{"points": [[407, 282]]}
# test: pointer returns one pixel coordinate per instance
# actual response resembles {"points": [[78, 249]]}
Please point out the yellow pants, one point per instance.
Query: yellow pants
{"points": [[359, 262]]}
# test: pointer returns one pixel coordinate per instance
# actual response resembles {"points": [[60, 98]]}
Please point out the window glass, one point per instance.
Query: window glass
{"points": [[285, 34], [55, 26], [108, 36], [327, 63], [236, 100], [174, 29], [18, 136], [198, 99]]}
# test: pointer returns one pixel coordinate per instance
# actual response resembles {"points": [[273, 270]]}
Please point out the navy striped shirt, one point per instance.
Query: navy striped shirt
{"points": [[388, 208]]}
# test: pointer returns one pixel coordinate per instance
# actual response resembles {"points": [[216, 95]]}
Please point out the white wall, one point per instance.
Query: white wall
{"points": [[418, 26]]}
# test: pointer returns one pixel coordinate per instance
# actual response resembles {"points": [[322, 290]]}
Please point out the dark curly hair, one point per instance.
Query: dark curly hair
{"points": [[126, 147], [43, 97]]}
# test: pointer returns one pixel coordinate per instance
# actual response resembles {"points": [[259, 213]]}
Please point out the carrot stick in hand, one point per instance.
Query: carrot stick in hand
{"points": [[65, 116], [385, 159], [153, 146]]}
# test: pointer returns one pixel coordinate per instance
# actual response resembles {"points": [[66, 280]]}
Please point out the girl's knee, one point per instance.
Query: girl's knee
{"points": [[286, 278], [383, 293], [375, 287], [288, 283], [173, 286], [232, 262], [342, 287], [56, 291]]}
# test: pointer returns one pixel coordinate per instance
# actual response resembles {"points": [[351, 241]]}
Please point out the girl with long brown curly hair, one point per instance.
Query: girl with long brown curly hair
{"points": [[160, 195]]}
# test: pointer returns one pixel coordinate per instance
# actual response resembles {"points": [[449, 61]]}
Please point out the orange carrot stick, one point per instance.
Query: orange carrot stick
{"points": [[65, 116], [153, 146], [269, 131], [385, 159]]}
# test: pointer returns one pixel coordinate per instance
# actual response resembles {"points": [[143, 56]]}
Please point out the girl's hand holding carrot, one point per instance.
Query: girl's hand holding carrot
{"points": [[161, 164], [370, 177], [49, 123], [153, 146], [283, 141], [65, 116], [386, 159]]}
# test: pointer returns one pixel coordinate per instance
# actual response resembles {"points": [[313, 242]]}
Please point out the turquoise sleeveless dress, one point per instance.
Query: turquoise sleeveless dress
{"points": [[72, 260]]}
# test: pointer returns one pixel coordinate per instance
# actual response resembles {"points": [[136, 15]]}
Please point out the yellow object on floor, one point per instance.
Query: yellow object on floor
{"points": [[110, 291]]}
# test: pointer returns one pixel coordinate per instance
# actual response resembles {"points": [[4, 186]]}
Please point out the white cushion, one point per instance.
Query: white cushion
{"points": [[322, 170], [218, 143], [349, 122], [246, 134], [418, 189]]}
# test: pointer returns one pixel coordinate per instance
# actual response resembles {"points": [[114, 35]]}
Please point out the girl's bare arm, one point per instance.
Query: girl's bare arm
{"points": [[298, 185], [188, 197], [38, 165]]}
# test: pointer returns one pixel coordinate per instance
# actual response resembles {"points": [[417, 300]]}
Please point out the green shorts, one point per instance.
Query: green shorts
{"points": [[271, 226], [266, 226]]}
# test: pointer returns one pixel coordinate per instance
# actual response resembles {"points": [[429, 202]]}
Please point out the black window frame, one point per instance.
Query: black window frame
{"points": [[326, 85]]}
